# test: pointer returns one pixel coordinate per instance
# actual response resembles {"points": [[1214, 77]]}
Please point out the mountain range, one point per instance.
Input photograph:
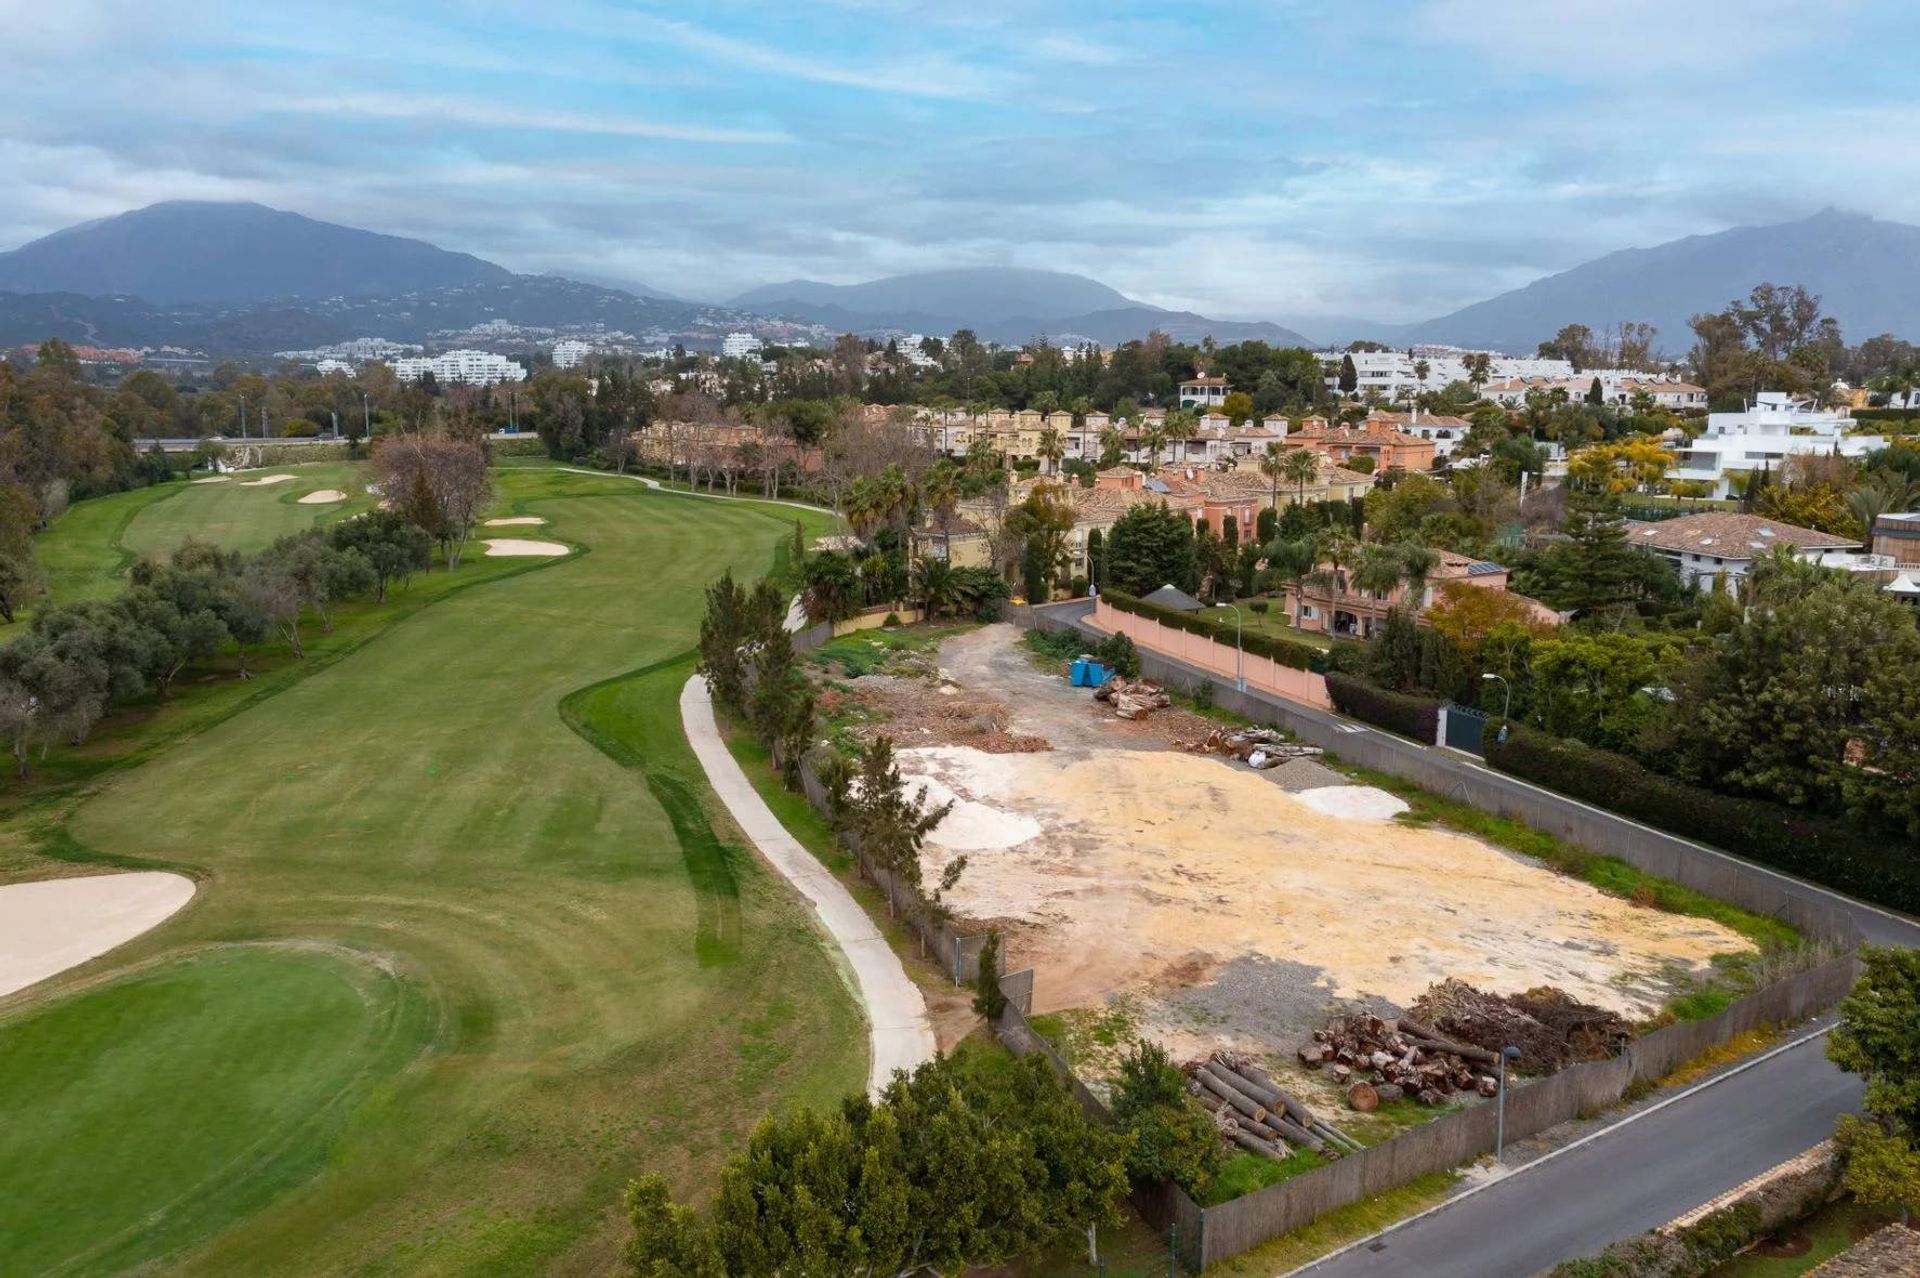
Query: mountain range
{"points": [[246, 279]]}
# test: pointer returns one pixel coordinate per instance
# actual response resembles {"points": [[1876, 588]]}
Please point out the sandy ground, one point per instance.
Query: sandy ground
{"points": [[55, 924], [514, 521], [214, 479], [1237, 911], [322, 496], [501, 546], [264, 480]]}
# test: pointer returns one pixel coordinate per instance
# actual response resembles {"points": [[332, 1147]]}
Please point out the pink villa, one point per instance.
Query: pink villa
{"points": [[1338, 609]]}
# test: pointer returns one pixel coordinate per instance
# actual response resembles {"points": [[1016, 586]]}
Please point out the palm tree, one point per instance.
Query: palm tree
{"points": [[1273, 466], [1417, 563], [865, 506], [1302, 466], [1377, 570], [940, 490], [1155, 438], [934, 582], [1052, 448], [1885, 493], [1295, 561], [1113, 446]]}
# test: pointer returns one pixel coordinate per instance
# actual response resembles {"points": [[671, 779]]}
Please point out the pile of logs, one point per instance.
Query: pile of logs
{"points": [[1253, 1112], [1132, 698], [1260, 747], [1378, 1060], [1550, 1027]]}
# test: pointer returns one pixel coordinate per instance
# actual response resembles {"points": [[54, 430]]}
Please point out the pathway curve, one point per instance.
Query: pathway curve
{"points": [[896, 1011], [659, 487]]}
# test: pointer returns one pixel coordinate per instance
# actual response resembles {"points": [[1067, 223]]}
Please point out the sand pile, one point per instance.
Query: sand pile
{"points": [[322, 496], [264, 480], [1154, 869], [499, 547], [514, 521], [214, 479], [52, 925]]}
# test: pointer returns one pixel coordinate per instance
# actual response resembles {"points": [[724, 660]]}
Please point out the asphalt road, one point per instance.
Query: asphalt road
{"points": [[1627, 1179]]}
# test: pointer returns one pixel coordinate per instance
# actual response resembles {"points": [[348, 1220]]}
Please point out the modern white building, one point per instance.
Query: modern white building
{"points": [[739, 345], [1618, 387], [1761, 437], [325, 366], [474, 368], [569, 351], [1396, 374]]}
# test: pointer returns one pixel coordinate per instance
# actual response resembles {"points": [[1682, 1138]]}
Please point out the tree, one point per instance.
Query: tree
{"points": [[1041, 525], [1295, 560], [1466, 615], [1151, 546], [1238, 408], [1302, 466], [1052, 448], [1885, 788], [988, 1000], [1635, 464], [891, 826], [393, 546], [723, 635], [1349, 375], [19, 571], [1573, 343], [1878, 1036], [439, 482], [1173, 1137], [1882, 1166]]}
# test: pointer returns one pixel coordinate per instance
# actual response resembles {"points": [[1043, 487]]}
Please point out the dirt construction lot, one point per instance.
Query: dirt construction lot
{"points": [[1238, 907]]}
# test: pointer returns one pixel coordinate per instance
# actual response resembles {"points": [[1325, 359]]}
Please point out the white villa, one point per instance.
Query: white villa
{"points": [[1762, 437]]}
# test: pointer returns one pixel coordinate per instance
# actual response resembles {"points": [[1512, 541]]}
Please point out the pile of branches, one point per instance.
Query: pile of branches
{"points": [[1550, 1027], [1379, 1060], [1132, 698], [1255, 1113], [1260, 747]]}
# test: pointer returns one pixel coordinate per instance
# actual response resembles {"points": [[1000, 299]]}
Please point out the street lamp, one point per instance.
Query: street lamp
{"points": [[1500, 1119], [1239, 651], [1506, 707]]}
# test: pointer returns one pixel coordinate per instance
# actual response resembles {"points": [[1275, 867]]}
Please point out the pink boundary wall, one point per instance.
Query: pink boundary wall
{"points": [[1263, 673]]}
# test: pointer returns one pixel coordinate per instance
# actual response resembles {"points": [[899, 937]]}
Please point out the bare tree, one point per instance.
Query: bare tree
{"points": [[439, 482]]}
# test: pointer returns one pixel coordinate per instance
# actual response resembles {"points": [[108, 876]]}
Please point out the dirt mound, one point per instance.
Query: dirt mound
{"points": [[1551, 1028]]}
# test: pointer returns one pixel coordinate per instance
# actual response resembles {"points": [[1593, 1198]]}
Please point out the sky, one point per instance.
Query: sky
{"points": [[1392, 159]]}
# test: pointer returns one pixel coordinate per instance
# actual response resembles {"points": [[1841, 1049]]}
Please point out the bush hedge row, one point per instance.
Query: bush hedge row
{"points": [[1288, 652], [1910, 415], [1825, 849], [1410, 716]]}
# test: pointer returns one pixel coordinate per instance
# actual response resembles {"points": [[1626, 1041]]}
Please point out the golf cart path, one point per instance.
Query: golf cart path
{"points": [[659, 487], [896, 1011], [50, 925]]}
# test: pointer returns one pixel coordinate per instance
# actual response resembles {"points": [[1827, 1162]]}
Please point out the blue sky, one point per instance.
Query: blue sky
{"points": [[1296, 157]]}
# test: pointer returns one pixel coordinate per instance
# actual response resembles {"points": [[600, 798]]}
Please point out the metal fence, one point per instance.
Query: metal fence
{"points": [[1464, 728]]}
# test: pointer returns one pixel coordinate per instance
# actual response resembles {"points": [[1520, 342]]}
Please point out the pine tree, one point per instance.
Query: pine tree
{"points": [[987, 998]]}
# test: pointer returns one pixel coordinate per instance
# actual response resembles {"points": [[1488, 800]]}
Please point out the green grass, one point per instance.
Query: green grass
{"points": [[238, 516], [1243, 1172], [1829, 1231], [1339, 1227], [895, 649], [610, 984], [258, 1055]]}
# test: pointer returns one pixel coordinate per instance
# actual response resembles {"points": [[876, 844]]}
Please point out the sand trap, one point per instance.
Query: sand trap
{"points": [[52, 925], [499, 547], [515, 521], [1152, 870], [264, 480], [1354, 802], [214, 479], [322, 496]]}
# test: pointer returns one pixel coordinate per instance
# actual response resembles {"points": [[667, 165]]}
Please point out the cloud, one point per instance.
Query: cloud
{"points": [[462, 111]]}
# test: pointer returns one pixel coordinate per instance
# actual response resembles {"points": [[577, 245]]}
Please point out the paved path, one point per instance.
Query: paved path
{"points": [[659, 487], [1623, 1180], [896, 1011]]}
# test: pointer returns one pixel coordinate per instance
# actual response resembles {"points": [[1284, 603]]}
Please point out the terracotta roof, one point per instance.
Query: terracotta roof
{"points": [[1373, 431], [1205, 381], [1892, 1252], [1097, 501], [1731, 535]]}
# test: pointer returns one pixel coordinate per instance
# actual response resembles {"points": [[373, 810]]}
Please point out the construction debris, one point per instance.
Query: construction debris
{"points": [[1256, 747], [1254, 1113], [1550, 1027], [1380, 1060], [1132, 698]]}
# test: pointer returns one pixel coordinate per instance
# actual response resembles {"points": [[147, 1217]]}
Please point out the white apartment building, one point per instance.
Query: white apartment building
{"points": [[1617, 386], [1396, 374], [325, 366], [739, 345], [474, 368], [1764, 435], [569, 351]]}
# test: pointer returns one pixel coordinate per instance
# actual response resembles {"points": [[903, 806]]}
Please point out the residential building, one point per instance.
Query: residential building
{"points": [[474, 368], [1330, 605], [1378, 438], [326, 366], [1203, 392], [739, 346], [1395, 375], [1776, 427], [569, 351], [1898, 538], [1722, 546], [1618, 387]]}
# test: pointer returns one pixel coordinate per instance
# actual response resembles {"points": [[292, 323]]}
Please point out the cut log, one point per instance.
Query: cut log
{"points": [[1298, 1112], [1239, 1100], [1487, 1085], [1296, 1133], [1389, 1092], [1247, 1140], [1464, 1050], [1315, 1055], [1363, 1097]]}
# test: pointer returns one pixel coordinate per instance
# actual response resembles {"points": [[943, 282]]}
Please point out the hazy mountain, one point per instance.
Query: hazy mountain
{"points": [[191, 252], [1001, 304], [1866, 271], [634, 287]]}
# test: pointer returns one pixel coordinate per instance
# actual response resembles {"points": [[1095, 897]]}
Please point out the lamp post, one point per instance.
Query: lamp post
{"points": [[1239, 651], [1500, 1117], [1506, 708]]}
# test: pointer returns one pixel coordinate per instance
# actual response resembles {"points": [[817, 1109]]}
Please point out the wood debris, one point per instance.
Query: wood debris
{"points": [[1550, 1027], [1132, 698], [1379, 1060], [1254, 1113], [1257, 747]]}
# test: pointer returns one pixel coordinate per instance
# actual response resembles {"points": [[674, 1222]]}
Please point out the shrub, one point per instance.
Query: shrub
{"points": [[1259, 607], [1118, 651], [1173, 1138], [1288, 652], [1825, 849], [1401, 712]]}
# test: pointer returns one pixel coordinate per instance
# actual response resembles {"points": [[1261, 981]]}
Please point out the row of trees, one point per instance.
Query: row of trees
{"points": [[80, 661]]}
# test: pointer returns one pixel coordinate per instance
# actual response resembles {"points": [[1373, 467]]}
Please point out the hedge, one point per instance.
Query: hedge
{"points": [[1825, 849], [1906, 415], [1410, 716], [1288, 652]]}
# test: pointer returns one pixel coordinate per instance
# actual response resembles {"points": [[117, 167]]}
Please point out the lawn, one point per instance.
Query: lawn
{"points": [[1801, 1247], [609, 983]]}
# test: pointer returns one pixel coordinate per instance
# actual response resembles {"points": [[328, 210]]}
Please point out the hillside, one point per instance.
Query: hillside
{"points": [[207, 253], [1867, 272]]}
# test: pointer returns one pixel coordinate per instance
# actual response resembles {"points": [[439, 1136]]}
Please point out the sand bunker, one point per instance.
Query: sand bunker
{"points": [[515, 521], [322, 496], [1151, 870], [264, 480], [498, 547], [214, 479], [55, 924]]}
